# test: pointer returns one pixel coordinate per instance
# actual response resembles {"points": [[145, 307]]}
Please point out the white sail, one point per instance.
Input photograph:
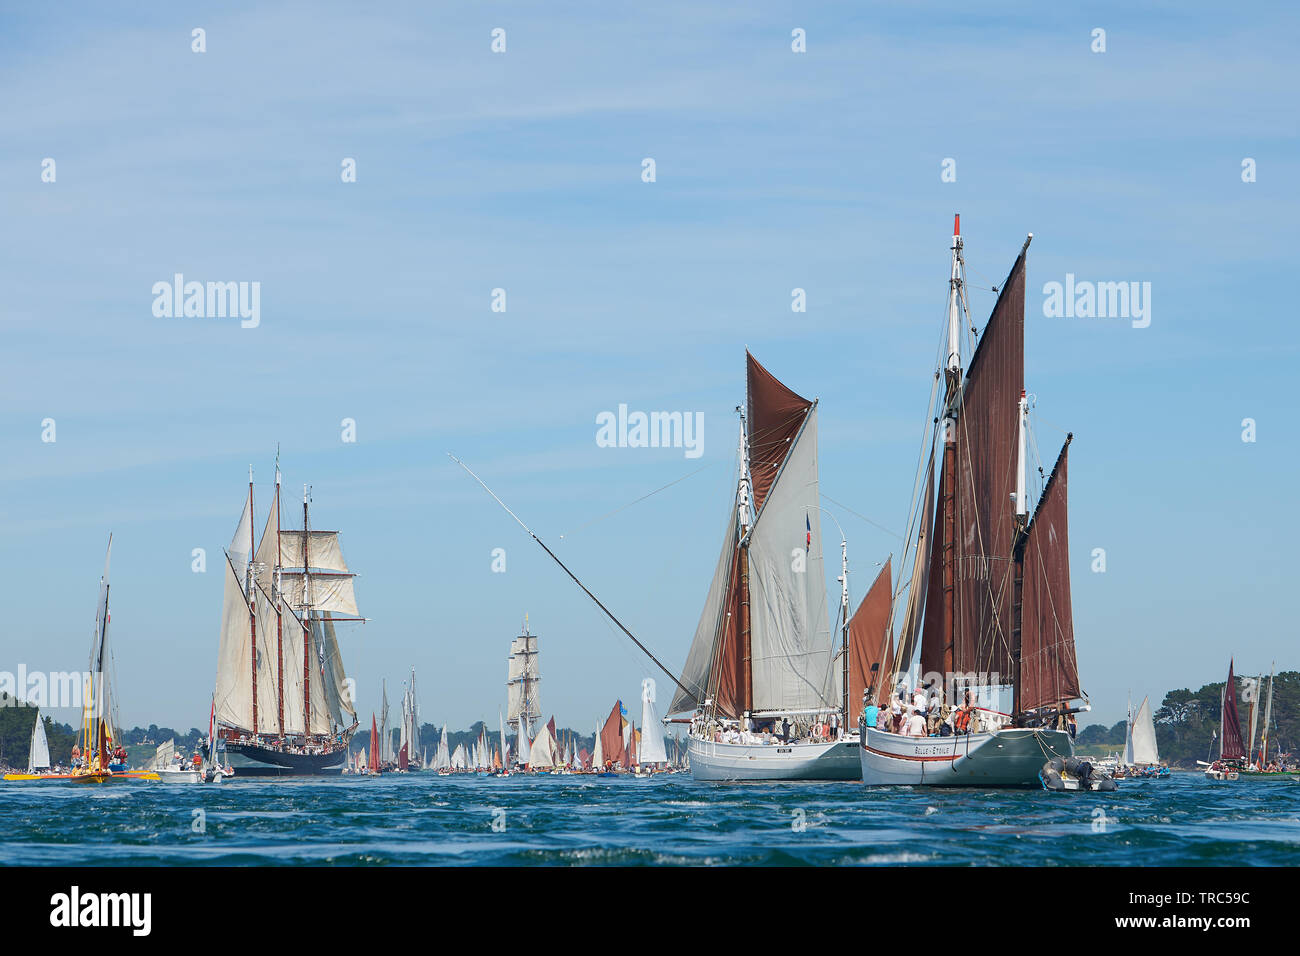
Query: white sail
{"points": [[234, 688], [695, 674], [521, 746], [458, 761], [789, 627], [163, 756], [541, 752], [323, 550], [329, 592], [38, 757], [502, 722], [385, 738], [1143, 736], [292, 639], [441, 756], [652, 734], [598, 752]]}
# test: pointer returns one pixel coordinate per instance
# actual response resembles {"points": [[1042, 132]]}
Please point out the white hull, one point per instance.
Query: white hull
{"points": [[837, 760], [1010, 757], [178, 775]]}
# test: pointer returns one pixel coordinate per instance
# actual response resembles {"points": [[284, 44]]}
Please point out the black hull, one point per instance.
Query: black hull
{"points": [[249, 760]]}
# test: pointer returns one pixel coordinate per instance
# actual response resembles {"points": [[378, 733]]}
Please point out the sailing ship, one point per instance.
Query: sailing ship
{"points": [[1141, 755], [762, 652], [1231, 750], [1258, 766], [989, 600], [523, 695], [281, 703], [409, 732], [653, 753]]}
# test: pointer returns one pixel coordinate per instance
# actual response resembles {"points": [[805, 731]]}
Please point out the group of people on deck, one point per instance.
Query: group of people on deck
{"points": [[923, 714]]}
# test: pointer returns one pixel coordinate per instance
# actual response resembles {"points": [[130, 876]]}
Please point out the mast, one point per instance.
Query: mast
{"points": [[1254, 720], [248, 595], [1268, 716], [277, 590], [952, 399], [744, 520], [306, 631], [844, 615], [1018, 556]]}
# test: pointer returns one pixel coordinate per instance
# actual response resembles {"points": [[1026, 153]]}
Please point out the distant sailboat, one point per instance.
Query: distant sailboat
{"points": [[1140, 744], [653, 752], [1231, 750], [282, 705], [523, 694], [38, 757]]}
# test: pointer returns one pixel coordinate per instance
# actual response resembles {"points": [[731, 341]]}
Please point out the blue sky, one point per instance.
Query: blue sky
{"points": [[522, 171]]}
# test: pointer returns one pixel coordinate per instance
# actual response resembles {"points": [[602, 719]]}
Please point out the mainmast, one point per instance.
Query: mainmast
{"points": [[306, 631], [844, 616], [1018, 555], [952, 402], [744, 521], [278, 591], [249, 585]]}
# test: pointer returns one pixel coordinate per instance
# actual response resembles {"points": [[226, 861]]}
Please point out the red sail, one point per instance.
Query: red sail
{"points": [[1049, 672], [611, 735], [402, 763], [724, 676], [870, 641], [933, 638], [1230, 736], [775, 414], [374, 745], [987, 431]]}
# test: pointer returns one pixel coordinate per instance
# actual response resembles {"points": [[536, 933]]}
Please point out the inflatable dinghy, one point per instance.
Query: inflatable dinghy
{"points": [[1074, 773]]}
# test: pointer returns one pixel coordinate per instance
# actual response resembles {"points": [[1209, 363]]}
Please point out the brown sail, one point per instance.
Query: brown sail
{"points": [[775, 414], [986, 469], [1049, 671], [1231, 747], [870, 641], [611, 735]]}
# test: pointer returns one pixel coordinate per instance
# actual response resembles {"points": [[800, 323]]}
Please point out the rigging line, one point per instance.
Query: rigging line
{"points": [[874, 524], [638, 500], [532, 535]]}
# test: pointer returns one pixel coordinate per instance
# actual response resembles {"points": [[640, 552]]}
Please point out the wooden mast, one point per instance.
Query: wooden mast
{"points": [[306, 634], [746, 703], [952, 399], [248, 596], [278, 582]]}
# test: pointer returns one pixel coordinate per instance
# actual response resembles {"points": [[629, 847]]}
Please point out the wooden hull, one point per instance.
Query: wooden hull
{"points": [[1010, 757]]}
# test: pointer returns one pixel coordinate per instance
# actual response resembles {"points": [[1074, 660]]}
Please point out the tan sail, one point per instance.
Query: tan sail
{"points": [[870, 641]]}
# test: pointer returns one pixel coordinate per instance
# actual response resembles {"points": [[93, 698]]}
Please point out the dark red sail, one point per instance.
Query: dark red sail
{"points": [[986, 467], [374, 746], [611, 735], [1230, 736], [775, 414], [870, 641], [1049, 671]]}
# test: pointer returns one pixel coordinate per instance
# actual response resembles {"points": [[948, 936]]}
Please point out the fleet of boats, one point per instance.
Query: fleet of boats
{"points": [[962, 672]]}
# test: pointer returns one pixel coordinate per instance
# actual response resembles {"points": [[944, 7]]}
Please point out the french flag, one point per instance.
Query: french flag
{"points": [[808, 543]]}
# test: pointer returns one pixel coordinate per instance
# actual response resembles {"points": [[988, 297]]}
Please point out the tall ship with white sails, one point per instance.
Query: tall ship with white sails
{"points": [[989, 593], [282, 704], [523, 694], [763, 651]]}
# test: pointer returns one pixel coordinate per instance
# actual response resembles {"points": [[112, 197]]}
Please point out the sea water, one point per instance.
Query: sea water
{"points": [[424, 819]]}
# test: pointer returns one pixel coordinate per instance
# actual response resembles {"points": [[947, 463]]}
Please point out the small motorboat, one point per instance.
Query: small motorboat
{"points": [[1071, 774]]}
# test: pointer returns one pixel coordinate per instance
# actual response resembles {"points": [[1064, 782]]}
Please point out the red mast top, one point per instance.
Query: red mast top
{"points": [[956, 224]]}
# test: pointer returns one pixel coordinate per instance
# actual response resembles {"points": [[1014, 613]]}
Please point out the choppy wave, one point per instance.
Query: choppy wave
{"points": [[663, 821]]}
